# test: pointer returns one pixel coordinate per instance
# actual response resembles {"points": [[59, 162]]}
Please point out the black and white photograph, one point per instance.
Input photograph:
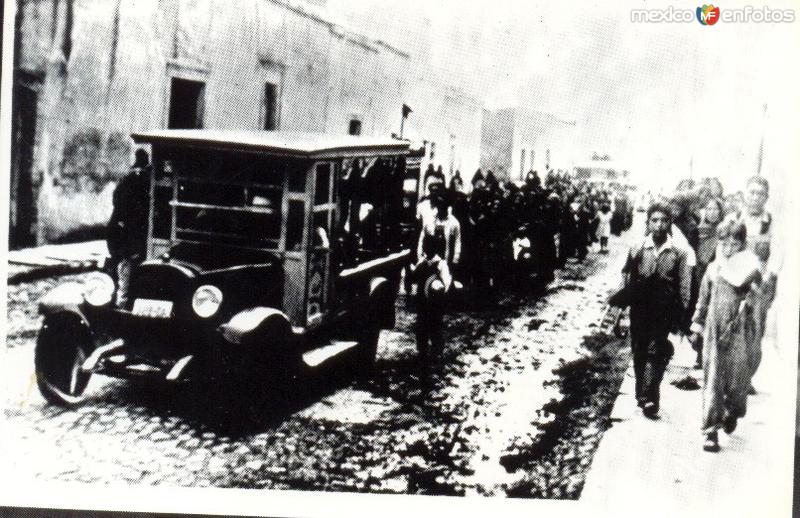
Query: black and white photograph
{"points": [[426, 257]]}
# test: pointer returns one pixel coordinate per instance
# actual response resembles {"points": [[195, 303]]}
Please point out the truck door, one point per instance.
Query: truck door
{"points": [[320, 282]]}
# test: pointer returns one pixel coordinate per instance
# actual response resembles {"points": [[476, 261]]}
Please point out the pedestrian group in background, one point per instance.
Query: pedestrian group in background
{"points": [[706, 269], [502, 236]]}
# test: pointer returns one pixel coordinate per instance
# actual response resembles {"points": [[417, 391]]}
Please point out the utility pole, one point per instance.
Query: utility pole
{"points": [[761, 144]]}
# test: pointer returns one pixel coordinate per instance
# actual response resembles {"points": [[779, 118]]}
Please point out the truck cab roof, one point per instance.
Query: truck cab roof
{"points": [[282, 143]]}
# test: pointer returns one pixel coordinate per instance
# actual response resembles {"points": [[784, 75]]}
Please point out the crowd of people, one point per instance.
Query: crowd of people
{"points": [[706, 268], [502, 235], [505, 228]]}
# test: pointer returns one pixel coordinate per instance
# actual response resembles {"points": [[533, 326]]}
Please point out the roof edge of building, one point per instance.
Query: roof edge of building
{"points": [[341, 31]]}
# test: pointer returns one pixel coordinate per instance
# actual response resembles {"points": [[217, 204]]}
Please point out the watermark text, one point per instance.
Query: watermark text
{"points": [[710, 15]]}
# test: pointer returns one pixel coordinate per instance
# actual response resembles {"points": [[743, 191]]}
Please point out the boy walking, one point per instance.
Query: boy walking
{"points": [[657, 282]]}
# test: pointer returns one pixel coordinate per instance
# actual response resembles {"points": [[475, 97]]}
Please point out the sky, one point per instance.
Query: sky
{"points": [[666, 99]]}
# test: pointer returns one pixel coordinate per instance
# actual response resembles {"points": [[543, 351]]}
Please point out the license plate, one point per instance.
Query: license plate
{"points": [[152, 308]]}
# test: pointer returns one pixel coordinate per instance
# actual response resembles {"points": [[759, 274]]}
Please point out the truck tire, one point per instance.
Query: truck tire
{"points": [[61, 348]]}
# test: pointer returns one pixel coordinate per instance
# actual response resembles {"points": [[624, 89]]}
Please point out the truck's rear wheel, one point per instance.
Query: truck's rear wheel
{"points": [[61, 349], [368, 350], [379, 314]]}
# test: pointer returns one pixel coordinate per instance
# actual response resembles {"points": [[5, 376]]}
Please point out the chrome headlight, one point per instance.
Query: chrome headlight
{"points": [[206, 300], [99, 289]]}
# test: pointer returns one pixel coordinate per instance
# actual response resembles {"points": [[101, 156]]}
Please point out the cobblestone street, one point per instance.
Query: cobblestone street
{"points": [[516, 406]]}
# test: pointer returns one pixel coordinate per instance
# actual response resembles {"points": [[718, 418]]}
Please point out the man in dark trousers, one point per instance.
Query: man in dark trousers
{"points": [[657, 288], [439, 251], [127, 229]]}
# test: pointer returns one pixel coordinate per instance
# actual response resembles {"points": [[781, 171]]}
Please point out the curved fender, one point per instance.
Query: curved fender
{"points": [[65, 298], [380, 303], [75, 317], [250, 321]]}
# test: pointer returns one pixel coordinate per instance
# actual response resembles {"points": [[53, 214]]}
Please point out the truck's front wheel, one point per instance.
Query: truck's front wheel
{"points": [[61, 349]]}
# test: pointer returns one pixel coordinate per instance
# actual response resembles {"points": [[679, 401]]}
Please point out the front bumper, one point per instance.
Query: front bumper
{"points": [[132, 346], [115, 359]]}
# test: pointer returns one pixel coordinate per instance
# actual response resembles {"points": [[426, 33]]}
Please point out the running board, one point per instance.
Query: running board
{"points": [[317, 357]]}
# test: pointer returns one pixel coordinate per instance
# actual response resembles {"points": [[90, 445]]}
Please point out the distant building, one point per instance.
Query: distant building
{"points": [[453, 139], [87, 74], [516, 140], [602, 171]]}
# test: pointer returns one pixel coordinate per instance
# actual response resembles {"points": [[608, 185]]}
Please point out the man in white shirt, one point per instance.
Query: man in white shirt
{"points": [[439, 249], [759, 226], [425, 209], [441, 234]]}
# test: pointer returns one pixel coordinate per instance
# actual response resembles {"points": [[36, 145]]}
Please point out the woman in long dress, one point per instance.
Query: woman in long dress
{"points": [[724, 315]]}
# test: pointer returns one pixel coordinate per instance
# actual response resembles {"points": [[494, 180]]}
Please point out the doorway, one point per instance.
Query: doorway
{"points": [[23, 208], [186, 104]]}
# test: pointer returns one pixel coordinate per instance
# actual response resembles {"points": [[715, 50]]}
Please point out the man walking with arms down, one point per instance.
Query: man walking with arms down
{"points": [[759, 225], [657, 282]]}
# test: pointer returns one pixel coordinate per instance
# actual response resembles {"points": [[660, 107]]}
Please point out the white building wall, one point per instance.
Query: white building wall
{"points": [[450, 120], [122, 64]]}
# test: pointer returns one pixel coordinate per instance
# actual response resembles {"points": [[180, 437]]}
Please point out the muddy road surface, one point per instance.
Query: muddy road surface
{"points": [[516, 406]]}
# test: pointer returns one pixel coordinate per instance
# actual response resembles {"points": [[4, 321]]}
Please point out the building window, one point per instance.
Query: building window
{"points": [[355, 127], [186, 104], [270, 106]]}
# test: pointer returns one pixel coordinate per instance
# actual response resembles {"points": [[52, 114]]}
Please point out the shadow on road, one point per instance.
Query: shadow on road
{"points": [[234, 409]]}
